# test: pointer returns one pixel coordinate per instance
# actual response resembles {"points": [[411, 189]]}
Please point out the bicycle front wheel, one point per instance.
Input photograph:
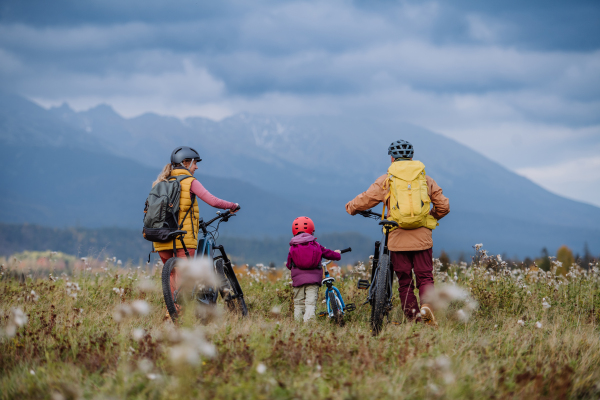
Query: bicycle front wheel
{"points": [[336, 310], [232, 291], [380, 292], [170, 287]]}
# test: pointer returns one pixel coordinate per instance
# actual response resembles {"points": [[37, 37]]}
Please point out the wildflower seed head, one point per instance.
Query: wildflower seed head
{"points": [[261, 368]]}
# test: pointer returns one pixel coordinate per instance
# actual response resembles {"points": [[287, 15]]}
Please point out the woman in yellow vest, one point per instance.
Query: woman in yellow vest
{"points": [[183, 162]]}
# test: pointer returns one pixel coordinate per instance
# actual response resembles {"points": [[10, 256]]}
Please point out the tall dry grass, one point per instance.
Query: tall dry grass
{"points": [[100, 332]]}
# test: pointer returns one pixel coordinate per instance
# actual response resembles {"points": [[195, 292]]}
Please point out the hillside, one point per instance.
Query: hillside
{"points": [[94, 168], [129, 245]]}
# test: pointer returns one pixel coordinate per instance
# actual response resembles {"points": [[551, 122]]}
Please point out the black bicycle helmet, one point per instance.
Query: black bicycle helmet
{"points": [[401, 149], [184, 153]]}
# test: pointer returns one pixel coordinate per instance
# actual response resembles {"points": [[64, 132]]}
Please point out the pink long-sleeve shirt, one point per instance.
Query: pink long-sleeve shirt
{"points": [[204, 195]]}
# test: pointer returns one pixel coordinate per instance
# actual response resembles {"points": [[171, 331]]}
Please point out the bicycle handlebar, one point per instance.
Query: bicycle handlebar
{"points": [[369, 214], [346, 250], [224, 216]]}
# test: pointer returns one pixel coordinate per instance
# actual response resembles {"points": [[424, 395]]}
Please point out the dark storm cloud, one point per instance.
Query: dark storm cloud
{"points": [[280, 46], [503, 77]]}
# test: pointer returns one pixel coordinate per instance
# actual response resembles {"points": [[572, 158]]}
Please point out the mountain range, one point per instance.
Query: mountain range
{"points": [[94, 168]]}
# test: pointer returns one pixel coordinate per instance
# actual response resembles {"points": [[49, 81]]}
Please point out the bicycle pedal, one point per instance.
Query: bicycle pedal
{"points": [[350, 307], [322, 314], [363, 284]]}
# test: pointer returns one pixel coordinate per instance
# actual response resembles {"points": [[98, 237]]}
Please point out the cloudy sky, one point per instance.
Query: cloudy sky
{"points": [[517, 81]]}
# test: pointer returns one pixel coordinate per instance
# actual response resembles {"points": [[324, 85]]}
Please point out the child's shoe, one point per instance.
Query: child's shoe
{"points": [[310, 313], [298, 313]]}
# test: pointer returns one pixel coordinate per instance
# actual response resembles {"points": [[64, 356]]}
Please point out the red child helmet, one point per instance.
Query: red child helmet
{"points": [[303, 224]]}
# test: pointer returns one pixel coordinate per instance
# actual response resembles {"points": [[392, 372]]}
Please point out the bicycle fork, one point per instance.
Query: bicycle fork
{"points": [[230, 274]]}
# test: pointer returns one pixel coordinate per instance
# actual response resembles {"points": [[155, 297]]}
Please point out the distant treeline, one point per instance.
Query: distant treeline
{"points": [[129, 245]]}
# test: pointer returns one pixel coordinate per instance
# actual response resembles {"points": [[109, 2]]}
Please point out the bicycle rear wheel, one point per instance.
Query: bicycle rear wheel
{"points": [[338, 317], [170, 287], [379, 301], [231, 291]]}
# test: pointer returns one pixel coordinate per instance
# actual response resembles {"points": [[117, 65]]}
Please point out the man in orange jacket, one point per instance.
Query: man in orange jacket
{"points": [[410, 249]]}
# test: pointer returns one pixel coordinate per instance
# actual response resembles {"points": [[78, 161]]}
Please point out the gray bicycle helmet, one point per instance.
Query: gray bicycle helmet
{"points": [[401, 149], [183, 153]]}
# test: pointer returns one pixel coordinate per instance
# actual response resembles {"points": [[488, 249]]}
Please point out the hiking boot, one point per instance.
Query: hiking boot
{"points": [[427, 315]]}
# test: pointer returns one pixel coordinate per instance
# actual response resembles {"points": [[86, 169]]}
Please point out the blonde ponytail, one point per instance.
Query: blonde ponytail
{"points": [[164, 174]]}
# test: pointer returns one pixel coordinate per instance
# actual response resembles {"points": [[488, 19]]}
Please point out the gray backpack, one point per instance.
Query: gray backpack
{"points": [[161, 213]]}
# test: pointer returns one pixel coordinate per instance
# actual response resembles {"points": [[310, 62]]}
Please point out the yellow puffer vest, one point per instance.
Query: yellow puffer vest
{"points": [[191, 221], [408, 196]]}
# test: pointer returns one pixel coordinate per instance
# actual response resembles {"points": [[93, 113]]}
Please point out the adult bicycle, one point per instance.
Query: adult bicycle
{"points": [[228, 286], [382, 281], [336, 308]]}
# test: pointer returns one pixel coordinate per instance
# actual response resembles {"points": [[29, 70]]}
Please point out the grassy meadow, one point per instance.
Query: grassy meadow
{"points": [[98, 330]]}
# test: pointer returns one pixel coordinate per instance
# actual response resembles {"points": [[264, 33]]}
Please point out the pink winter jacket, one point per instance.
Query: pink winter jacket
{"points": [[311, 276]]}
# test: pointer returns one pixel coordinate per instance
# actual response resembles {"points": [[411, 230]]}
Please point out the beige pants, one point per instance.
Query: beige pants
{"points": [[305, 302]]}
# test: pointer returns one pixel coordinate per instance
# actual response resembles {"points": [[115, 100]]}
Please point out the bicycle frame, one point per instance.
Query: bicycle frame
{"points": [[206, 247], [390, 278], [381, 249], [328, 281]]}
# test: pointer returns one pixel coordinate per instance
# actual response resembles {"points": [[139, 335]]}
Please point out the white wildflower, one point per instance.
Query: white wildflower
{"points": [[140, 307], [121, 312], [276, 310], [147, 286], [190, 345], [196, 271], [138, 334], [521, 322], [545, 304], [538, 325], [145, 365], [32, 372], [17, 317], [261, 368]]}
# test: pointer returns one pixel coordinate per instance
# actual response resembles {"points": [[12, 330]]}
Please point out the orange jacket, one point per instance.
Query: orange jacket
{"points": [[403, 239]]}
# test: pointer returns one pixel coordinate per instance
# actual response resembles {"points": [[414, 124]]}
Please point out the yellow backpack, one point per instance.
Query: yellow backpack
{"points": [[409, 200]]}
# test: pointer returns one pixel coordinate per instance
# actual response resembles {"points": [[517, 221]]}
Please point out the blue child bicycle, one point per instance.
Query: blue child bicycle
{"points": [[336, 308]]}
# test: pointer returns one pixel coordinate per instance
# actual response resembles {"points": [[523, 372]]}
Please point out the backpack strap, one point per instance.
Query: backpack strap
{"points": [[179, 178], [386, 186], [187, 212]]}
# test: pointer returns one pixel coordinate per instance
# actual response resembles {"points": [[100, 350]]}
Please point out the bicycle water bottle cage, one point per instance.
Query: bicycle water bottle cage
{"points": [[350, 307], [388, 223], [327, 280], [363, 284]]}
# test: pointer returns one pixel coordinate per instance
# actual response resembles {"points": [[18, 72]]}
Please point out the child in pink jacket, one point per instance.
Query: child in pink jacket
{"points": [[304, 260]]}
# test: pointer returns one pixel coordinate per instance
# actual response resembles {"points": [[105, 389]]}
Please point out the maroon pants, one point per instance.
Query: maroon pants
{"points": [[404, 262]]}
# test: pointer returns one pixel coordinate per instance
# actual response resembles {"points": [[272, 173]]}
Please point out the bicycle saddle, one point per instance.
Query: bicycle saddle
{"points": [[175, 234], [326, 280], [386, 222]]}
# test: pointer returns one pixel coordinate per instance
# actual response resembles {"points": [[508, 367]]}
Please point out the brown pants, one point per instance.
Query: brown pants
{"points": [[421, 262]]}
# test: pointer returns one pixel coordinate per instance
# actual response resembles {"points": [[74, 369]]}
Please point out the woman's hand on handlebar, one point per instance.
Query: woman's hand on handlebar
{"points": [[235, 209]]}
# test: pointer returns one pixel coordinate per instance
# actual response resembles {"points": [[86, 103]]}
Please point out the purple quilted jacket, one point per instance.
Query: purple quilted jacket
{"points": [[308, 276]]}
